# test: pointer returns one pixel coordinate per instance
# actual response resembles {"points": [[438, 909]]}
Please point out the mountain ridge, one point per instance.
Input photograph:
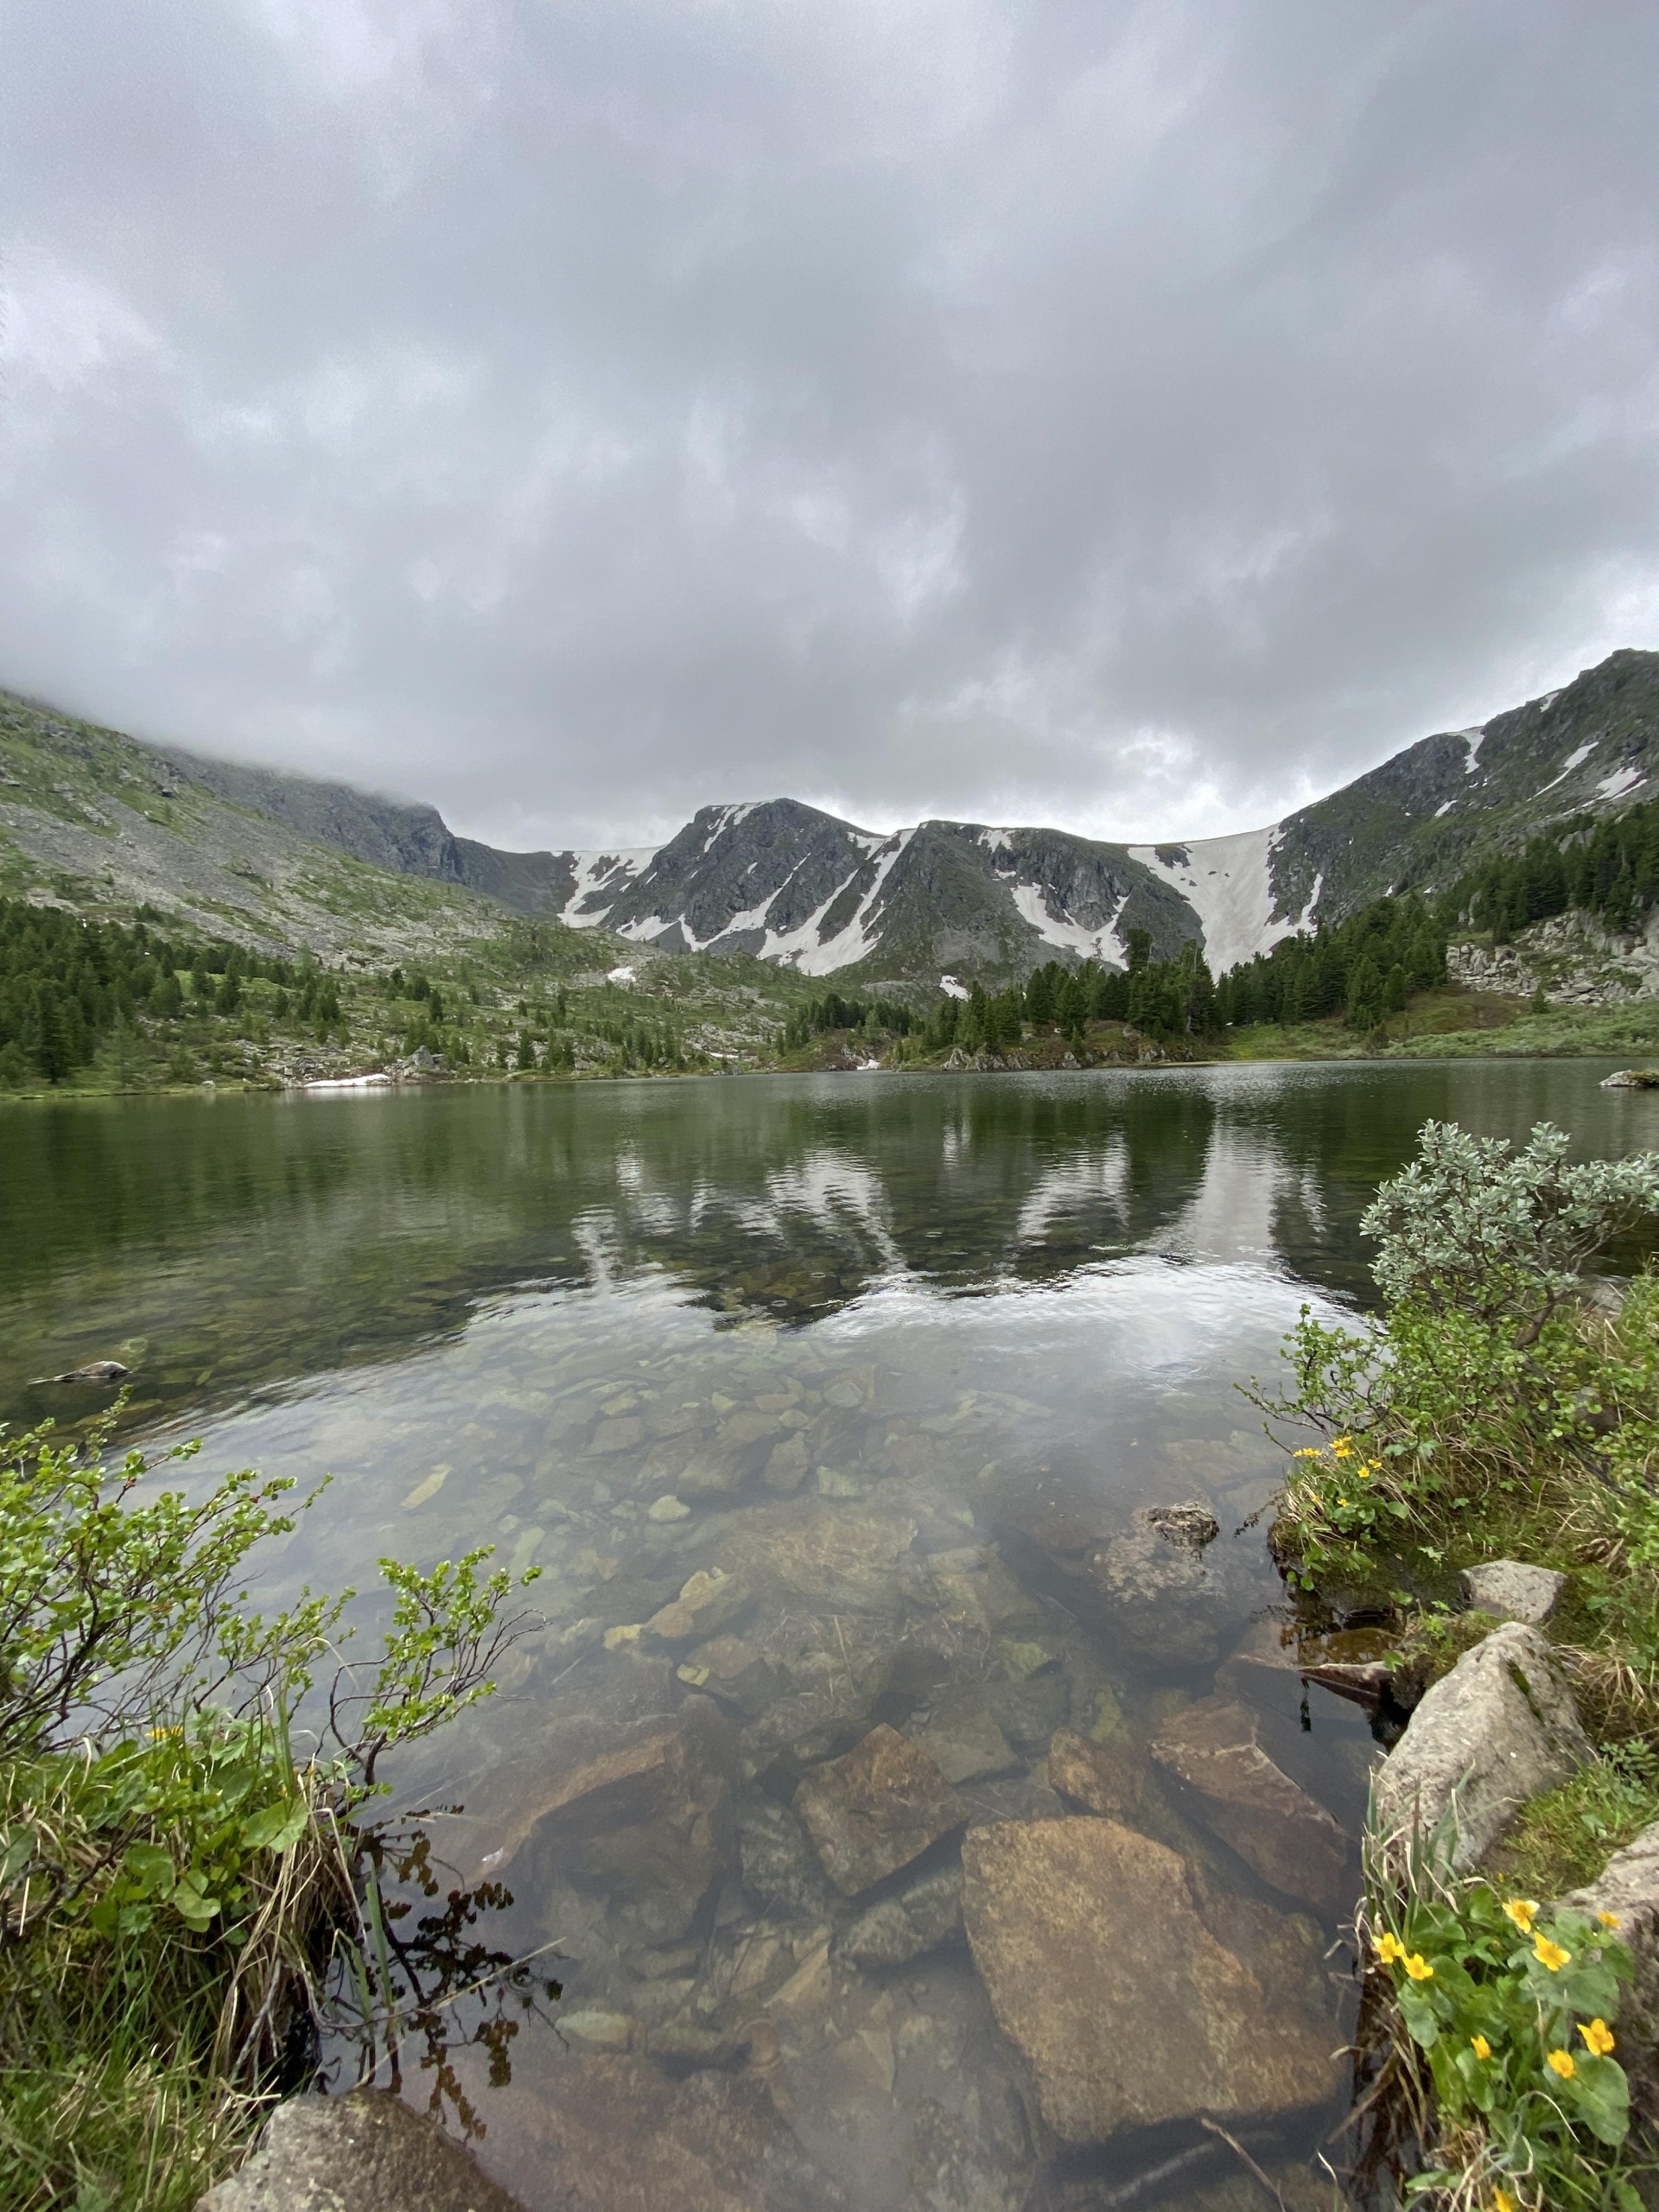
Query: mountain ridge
{"points": [[795, 885]]}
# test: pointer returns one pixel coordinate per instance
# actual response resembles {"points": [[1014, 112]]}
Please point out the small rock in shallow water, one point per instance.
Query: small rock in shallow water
{"points": [[874, 1810], [593, 2030], [711, 1601], [965, 1742], [902, 1927], [1192, 1524], [1101, 1780], [667, 1508], [101, 1373], [780, 1865]]}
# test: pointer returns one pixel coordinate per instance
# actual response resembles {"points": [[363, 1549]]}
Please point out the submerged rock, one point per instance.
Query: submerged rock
{"points": [[102, 1373], [1496, 1731], [576, 2133], [779, 1864], [1105, 1778], [963, 1740], [875, 1810], [709, 1601], [902, 1927], [1191, 1524], [1128, 2011], [1214, 1750], [1512, 1592], [1151, 1590], [367, 2151], [649, 1824]]}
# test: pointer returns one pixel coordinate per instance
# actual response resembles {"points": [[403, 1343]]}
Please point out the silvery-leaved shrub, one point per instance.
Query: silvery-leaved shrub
{"points": [[1487, 1372], [1474, 1226]]}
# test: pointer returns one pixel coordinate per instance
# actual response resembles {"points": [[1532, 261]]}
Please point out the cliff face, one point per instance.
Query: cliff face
{"points": [[794, 885]]}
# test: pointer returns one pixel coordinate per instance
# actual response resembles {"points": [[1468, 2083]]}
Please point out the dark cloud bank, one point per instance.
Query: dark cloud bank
{"points": [[1136, 416]]}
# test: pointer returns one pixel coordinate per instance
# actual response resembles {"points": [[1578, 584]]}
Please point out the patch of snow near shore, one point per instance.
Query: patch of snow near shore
{"points": [[1228, 882]]}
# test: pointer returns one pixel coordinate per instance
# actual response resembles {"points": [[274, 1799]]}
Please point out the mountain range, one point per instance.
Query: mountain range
{"points": [[253, 848]]}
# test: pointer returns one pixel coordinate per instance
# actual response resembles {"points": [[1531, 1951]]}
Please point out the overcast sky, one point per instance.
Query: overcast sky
{"points": [[1135, 417]]}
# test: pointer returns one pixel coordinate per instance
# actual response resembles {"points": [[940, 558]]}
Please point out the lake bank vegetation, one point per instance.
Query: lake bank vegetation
{"points": [[1499, 1405], [189, 1862], [110, 1008]]}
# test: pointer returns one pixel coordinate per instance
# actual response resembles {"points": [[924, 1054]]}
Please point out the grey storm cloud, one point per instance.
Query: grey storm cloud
{"points": [[1138, 417]]}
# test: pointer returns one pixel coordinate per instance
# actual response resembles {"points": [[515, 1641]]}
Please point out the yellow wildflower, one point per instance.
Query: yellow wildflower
{"points": [[1561, 2062], [1343, 1446], [1482, 2047], [1608, 1919], [1523, 1912], [1342, 1500], [1598, 2036], [1501, 2201], [1549, 1954], [1307, 1452], [1418, 1968], [1389, 1948]]}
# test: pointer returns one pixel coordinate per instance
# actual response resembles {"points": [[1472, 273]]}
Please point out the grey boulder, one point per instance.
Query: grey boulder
{"points": [[1496, 1731], [1512, 1592], [365, 2152], [1628, 1888]]}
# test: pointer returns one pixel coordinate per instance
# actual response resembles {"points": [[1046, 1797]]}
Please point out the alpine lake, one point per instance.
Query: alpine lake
{"points": [[831, 1410]]}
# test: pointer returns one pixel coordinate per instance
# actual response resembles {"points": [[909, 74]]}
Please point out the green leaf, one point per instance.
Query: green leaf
{"points": [[276, 1828], [17, 1848], [151, 1868], [195, 1910]]}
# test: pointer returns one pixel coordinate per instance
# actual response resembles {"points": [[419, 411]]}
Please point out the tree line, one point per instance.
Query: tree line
{"points": [[67, 985], [1610, 869]]}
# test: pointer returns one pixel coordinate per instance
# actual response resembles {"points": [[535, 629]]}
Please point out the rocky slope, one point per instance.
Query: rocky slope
{"points": [[800, 887]]}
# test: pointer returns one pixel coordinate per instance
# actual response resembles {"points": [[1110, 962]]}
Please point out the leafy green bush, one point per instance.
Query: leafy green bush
{"points": [[174, 1879]]}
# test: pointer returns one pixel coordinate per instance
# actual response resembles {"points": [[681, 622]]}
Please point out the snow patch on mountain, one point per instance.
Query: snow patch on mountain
{"points": [[859, 938], [1575, 759], [1228, 883], [607, 875], [1031, 902], [1621, 781]]}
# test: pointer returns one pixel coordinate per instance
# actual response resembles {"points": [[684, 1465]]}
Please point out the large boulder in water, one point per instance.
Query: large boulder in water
{"points": [[1127, 2009]]}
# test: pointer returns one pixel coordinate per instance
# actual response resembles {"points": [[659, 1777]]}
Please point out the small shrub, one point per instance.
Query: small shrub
{"points": [[174, 1880]]}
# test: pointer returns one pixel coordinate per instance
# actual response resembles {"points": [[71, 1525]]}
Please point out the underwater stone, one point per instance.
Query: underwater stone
{"points": [[1103, 1976], [875, 1810]]}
